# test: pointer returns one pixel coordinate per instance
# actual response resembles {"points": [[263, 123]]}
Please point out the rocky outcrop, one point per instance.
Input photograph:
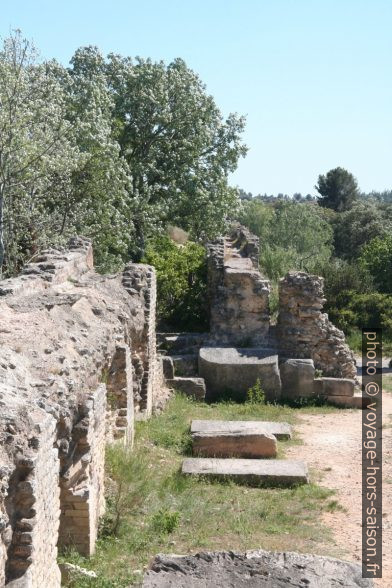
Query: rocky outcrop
{"points": [[77, 352], [304, 331], [253, 569]]}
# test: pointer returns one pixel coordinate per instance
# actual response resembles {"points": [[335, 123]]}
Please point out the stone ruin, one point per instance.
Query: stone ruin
{"points": [[244, 345], [78, 364]]}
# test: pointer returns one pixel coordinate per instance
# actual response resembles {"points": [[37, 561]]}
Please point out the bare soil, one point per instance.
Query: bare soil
{"points": [[332, 448]]}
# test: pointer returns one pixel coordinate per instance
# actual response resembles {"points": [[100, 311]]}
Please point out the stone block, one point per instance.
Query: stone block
{"points": [[185, 365], [282, 431], [234, 439], [297, 377], [167, 366], [336, 386], [236, 369], [253, 472], [194, 387]]}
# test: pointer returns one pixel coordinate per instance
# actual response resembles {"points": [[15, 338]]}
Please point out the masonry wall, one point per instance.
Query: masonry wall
{"points": [[33, 508], [304, 331], [77, 355], [238, 293]]}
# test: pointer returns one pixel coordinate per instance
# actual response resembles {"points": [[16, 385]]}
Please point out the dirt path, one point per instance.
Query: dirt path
{"points": [[332, 446]]}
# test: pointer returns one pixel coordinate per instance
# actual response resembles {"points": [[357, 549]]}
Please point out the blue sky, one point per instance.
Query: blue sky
{"points": [[314, 77]]}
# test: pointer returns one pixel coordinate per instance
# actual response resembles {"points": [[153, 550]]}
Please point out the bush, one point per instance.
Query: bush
{"points": [[182, 283], [359, 311], [256, 394], [165, 521], [376, 257]]}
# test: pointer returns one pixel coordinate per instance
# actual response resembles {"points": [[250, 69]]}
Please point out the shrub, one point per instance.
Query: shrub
{"points": [[182, 283], [256, 394], [355, 310], [165, 521], [376, 257]]}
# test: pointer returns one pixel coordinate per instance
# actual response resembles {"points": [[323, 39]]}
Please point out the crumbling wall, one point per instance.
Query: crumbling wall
{"points": [[75, 347], [304, 331], [238, 294]]}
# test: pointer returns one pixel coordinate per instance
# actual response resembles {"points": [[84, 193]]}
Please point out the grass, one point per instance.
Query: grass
{"points": [[163, 511]]}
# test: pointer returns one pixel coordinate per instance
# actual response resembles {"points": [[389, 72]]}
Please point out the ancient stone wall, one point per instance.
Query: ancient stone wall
{"points": [[238, 294], [77, 352], [304, 331]]}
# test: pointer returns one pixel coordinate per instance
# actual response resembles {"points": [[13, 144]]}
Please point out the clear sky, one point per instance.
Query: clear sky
{"points": [[314, 77]]}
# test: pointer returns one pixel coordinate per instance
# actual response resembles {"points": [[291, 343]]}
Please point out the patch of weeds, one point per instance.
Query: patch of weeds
{"points": [[318, 373], [165, 521], [256, 394], [333, 506]]}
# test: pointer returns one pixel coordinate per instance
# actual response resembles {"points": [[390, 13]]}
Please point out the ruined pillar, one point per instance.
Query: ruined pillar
{"points": [[304, 331]]}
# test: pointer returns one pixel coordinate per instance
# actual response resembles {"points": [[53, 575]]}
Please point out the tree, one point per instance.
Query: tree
{"points": [[182, 283], [178, 147], [357, 226], [292, 235], [98, 205], [38, 153], [338, 189], [376, 257]]}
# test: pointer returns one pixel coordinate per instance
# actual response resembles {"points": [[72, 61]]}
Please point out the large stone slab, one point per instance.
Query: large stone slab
{"points": [[297, 377], [253, 569], [194, 387], [254, 472], [282, 431], [233, 439], [236, 369]]}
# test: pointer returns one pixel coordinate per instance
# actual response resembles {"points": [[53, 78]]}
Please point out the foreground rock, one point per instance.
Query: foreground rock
{"points": [[253, 569], [233, 439], [253, 472]]}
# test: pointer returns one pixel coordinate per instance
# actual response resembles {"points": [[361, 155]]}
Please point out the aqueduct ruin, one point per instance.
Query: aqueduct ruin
{"points": [[79, 362]]}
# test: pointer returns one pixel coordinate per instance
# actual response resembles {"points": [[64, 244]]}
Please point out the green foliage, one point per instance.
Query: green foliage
{"points": [[338, 189], [293, 236], [177, 145], [256, 394], [359, 311], [376, 257], [354, 228], [126, 487], [165, 521], [182, 282], [38, 152], [113, 149]]}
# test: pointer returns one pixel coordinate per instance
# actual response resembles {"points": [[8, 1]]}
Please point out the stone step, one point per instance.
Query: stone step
{"points": [[185, 365], [254, 472], [232, 439], [194, 387], [282, 431], [355, 401]]}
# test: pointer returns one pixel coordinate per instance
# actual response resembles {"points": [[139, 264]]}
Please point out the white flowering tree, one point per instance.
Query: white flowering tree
{"points": [[38, 153]]}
